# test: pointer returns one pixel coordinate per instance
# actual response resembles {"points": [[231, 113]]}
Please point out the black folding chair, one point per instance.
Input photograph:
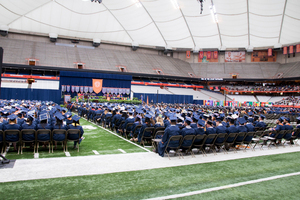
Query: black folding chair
{"points": [[248, 140], [157, 137], [295, 136], [43, 135], [148, 137], [174, 144], [187, 143], [127, 131], [198, 143], [239, 139], [279, 135], [12, 132], [209, 142], [287, 137], [230, 140], [134, 131], [26, 133], [73, 135], [220, 142], [59, 132]]}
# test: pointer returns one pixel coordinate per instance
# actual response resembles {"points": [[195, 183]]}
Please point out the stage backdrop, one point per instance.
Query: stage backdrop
{"points": [[85, 80]]}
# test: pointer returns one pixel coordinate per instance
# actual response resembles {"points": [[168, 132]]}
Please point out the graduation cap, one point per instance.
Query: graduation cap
{"points": [[148, 116], [68, 114], [59, 116], [262, 116], [246, 117], [219, 119], [201, 122], [30, 117], [76, 118], [12, 117], [189, 120], [173, 118], [43, 116], [241, 120], [210, 122]]}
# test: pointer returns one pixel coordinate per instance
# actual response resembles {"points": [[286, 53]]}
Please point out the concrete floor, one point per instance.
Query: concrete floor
{"points": [[30, 169]]}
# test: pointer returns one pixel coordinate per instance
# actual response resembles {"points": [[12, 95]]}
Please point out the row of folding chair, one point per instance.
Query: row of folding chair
{"points": [[41, 135], [221, 141]]}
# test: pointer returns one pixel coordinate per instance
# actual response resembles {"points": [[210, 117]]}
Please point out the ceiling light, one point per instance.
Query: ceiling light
{"points": [[137, 3], [175, 4]]}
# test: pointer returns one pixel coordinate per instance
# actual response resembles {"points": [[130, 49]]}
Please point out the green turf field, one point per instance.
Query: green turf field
{"points": [[168, 181], [95, 139]]}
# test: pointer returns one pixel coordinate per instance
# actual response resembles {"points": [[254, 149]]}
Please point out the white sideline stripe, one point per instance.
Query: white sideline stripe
{"points": [[122, 150], [225, 187], [67, 154], [96, 152], [36, 155], [119, 136]]}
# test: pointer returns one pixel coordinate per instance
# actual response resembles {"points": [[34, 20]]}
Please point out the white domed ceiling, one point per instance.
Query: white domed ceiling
{"points": [[164, 23]]}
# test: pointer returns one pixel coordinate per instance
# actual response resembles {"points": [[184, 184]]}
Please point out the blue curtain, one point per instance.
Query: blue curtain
{"points": [[165, 98], [200, 102]]}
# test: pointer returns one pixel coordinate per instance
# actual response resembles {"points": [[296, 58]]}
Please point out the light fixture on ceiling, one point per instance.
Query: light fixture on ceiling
{"points": [[213, 12], [175, 4], [99, 1], [201, 5], [137, 3]]}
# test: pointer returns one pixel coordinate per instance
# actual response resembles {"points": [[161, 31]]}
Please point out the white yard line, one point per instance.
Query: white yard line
{"points": [[226, 186], [36, 155], [122, 150], [67, 154], [119, 136], [96, 152]]}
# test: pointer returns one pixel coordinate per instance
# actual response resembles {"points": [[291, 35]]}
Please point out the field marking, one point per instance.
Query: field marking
{"points": [[225, 187], [96, 152], [67, 154], [36, 155], [122, 150], [119, 136]]}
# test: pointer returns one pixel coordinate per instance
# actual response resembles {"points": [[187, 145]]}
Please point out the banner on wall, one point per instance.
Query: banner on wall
{"points": [[205, 57], [262, 56], [291, 50], [216, 54], [284, 50], [298, 48], [235, 56], [270, 52], [97, 85], [188, 54]]}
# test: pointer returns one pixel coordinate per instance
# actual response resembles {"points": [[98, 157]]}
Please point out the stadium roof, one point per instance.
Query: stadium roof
{"points": [[174, 24]]}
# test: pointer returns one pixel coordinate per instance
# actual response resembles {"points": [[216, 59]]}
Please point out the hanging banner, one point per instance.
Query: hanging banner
{"points": [[262, 56], [298, 48], [188, 54], [216, 54], [73, 88], [270, 52], [291, 50], [284, 50], [97, 85], [90, 89], [205, 58], [68, 88], [127, 91], [208, 54], [201, 54], [104, 90], [86, 89], [81, 89], [235, 56], [77, 89], [63, 88]]}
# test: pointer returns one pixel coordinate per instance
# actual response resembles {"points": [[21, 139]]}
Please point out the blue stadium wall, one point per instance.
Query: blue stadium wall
{"points": [[165, 98]]}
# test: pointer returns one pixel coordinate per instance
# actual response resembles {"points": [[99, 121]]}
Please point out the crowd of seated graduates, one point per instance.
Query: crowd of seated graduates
{"points": [[182, 119], [36, 115]]}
